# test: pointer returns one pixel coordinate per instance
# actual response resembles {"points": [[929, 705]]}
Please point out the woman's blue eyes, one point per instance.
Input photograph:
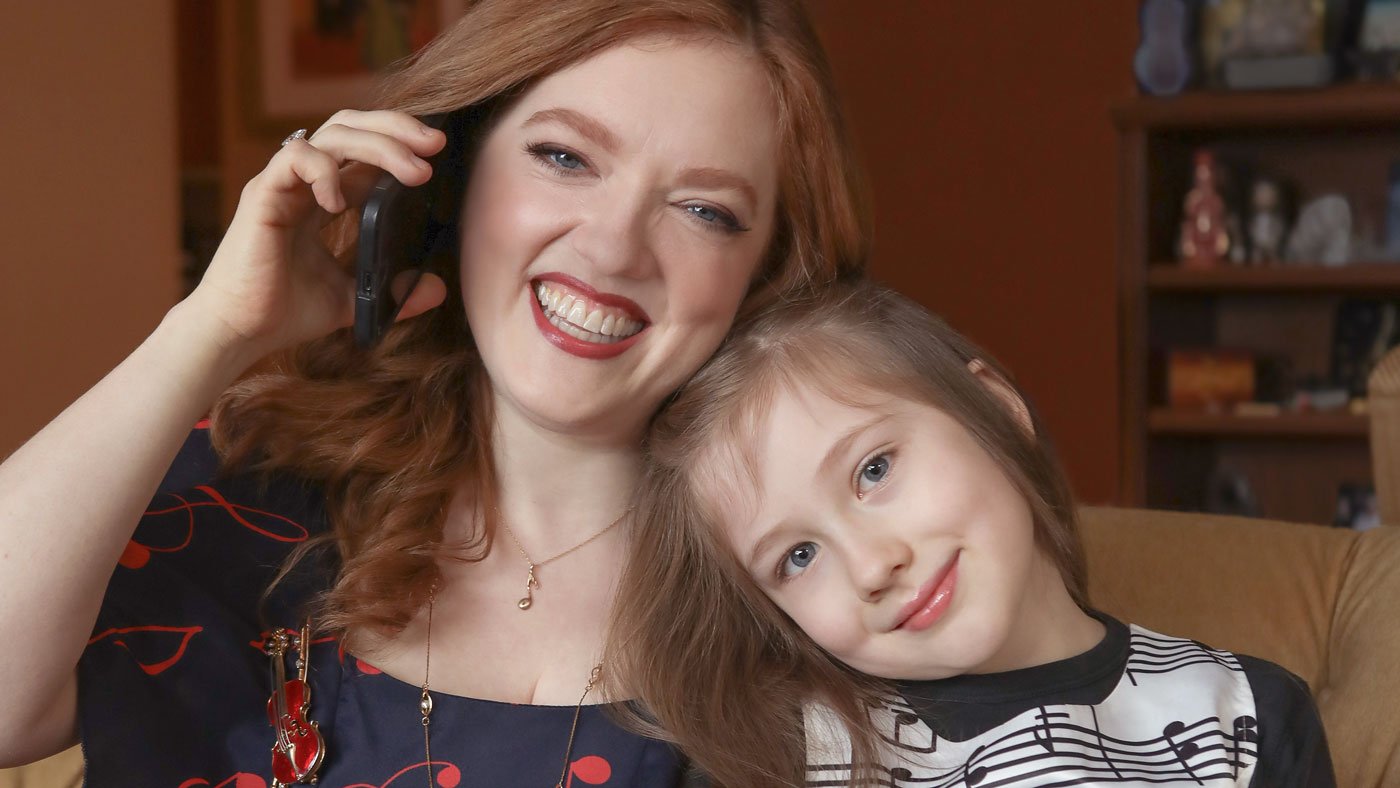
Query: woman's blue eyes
{"points": [[714, 217], [564, 160], [566, 163], [797, 559]]}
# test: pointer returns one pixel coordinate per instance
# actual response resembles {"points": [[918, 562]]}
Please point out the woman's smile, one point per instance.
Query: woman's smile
{"points": [[584, 322]]}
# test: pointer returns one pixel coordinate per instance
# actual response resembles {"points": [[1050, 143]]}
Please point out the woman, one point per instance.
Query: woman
{"points": [[641, 172]]}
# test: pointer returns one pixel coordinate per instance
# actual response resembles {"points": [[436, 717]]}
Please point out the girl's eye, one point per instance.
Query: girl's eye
{"points": [[714, 218], [798, 558], [872, 472], [558, 158]]}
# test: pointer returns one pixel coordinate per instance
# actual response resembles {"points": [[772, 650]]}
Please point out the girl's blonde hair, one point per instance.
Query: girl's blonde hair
{"points": [[718, 667], [391, 434]]}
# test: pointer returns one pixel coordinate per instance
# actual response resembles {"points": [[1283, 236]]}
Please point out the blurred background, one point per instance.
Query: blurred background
{"points": [[1172, 219]]}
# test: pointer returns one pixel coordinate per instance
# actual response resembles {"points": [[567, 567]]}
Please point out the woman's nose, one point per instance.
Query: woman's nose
{"points": [[613, 233], [878, 562]]}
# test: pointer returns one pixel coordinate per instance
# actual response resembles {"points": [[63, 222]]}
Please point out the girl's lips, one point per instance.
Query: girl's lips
{"points": [[933, 599]]}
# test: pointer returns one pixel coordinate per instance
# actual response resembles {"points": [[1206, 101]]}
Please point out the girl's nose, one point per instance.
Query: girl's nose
{"points": [[877, 563]]}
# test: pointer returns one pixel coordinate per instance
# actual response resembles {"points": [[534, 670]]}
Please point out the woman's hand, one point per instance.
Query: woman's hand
{"points": [[273, 283]]}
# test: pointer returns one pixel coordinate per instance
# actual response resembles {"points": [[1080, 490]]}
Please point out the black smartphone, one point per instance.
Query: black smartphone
{"points": [[404, 231]]}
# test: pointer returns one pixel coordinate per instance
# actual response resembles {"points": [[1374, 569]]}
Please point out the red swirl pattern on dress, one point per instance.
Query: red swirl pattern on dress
{"points": [[137, 555], [120, 635], [445, 773], [239, 780]]}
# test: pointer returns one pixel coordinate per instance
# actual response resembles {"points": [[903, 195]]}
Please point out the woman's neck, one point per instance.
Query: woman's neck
{"points": [[554, 486]]}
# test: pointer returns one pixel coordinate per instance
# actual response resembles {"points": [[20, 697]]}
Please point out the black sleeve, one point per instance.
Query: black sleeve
{"points": [[1292, 744]]}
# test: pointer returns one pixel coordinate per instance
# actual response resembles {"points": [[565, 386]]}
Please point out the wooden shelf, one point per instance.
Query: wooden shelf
{"points": [[1362, 278], [1345, 106], [1164, 421]]}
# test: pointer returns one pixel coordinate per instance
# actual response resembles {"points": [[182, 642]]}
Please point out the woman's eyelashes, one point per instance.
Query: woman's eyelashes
{"points": [[716, 219], [566, 163], [796, 560], [558, 159], [873, 472]]}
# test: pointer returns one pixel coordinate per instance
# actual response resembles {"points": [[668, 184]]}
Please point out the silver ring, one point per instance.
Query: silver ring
{"points": [[299, 134]]}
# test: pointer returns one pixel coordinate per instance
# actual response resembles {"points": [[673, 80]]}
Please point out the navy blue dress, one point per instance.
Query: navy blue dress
{"points": [[174, 683]]}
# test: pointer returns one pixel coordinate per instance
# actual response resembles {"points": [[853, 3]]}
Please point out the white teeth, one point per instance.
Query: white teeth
{"points": [[570, 314]]}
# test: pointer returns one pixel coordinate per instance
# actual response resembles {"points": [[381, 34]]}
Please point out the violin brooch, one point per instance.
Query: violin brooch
{"points": [[299, 749]]}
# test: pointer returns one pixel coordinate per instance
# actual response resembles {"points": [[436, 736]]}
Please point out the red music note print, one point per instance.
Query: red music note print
{"points": [[120, 635], [239, 780], [589, 769], [445, 774], [280, 528]]}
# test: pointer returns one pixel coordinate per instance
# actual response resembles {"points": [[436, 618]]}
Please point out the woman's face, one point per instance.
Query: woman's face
{"points": [[615, 216]]}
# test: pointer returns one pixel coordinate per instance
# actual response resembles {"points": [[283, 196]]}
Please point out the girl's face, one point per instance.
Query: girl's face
{"points": [[892, 538], [614, 219]]}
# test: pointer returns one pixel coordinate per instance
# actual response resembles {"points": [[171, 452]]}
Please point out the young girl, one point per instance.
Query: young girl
{"points": [[861, 564]]}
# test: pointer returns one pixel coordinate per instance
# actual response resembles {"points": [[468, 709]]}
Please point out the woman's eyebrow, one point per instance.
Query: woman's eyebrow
{"points": [[715, 178], [583, 124]]}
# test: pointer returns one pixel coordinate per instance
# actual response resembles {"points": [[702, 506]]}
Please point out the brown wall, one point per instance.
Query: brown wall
{"points": [[985, 129], [89, 232]]}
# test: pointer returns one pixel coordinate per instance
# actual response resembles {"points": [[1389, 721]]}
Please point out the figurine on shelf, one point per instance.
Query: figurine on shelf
{"points": [[1266, 226], [1205, 239], [1323, 233], [1163, 60]]}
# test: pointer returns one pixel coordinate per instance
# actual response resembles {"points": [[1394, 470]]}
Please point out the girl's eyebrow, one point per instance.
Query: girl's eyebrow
{"points": [[842, 446]]}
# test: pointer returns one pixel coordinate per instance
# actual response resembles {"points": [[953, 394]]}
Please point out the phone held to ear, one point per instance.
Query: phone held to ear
{"points": [[403, 230]]}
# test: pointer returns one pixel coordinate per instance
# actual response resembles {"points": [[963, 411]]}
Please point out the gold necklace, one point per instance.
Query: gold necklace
{"points": [[425, 703], [531, 583]]}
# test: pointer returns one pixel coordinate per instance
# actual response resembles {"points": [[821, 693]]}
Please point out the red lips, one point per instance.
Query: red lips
{"points": [[933, 599], [579, 347]]}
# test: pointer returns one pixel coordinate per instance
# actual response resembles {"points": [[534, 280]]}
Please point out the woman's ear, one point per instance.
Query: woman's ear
{"points": [[1003, 391]]}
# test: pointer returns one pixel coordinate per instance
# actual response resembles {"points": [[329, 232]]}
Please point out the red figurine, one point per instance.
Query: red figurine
{"points": [[1205, 238]]}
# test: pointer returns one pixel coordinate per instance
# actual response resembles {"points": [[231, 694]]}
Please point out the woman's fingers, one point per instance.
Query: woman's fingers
{"points": [[430, 292], [421, 139], [392, 154]]}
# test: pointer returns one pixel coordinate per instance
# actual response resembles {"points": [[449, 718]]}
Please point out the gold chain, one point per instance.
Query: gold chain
{"points": [[425, 704], [531, 583]]}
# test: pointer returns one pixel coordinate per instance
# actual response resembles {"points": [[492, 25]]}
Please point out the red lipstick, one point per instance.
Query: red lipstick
{"points": [[579, 347]]}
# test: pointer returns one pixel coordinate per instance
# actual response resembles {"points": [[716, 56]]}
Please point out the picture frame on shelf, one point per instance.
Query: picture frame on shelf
{"points": [[301, 60]]}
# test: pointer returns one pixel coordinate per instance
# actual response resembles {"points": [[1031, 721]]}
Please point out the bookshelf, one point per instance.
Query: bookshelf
{"points": [[1338, 140]]}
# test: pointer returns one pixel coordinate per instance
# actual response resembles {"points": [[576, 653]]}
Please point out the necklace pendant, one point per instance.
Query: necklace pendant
{"points": [[530, 585]]}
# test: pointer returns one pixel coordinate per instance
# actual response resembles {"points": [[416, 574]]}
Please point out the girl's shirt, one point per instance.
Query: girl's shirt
{"points": [[174, 684], [1137, 709]]}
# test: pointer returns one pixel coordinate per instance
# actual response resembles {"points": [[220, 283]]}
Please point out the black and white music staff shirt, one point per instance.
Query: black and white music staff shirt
{"points": [[1137, 709]]}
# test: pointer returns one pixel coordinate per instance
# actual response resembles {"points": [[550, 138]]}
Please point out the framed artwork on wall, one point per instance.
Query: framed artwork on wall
{"points": [[301, 60]]}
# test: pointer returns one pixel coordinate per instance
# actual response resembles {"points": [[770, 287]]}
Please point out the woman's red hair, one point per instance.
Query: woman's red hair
{"points": [[392, 434]]}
